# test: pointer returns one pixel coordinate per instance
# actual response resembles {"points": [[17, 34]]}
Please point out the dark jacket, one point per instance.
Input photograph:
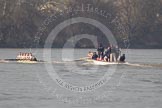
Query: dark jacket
{"points": [[108, 52], [122, 58], [95, 56]]}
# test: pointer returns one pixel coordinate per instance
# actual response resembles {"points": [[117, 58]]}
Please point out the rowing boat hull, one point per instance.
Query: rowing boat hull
{"points": [[29, 62], [103, 62]]}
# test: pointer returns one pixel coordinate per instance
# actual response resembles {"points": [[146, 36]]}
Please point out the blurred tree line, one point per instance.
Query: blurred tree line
{"points": [[135, 23]]}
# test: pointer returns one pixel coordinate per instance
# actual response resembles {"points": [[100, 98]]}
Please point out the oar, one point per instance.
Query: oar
{"points": [[81, 59]]}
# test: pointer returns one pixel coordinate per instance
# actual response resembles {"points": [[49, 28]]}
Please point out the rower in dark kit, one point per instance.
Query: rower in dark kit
{"points": [[107, 54], [95, 56], [100, 50]]}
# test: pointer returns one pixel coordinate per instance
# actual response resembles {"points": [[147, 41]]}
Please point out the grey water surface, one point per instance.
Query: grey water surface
{"points": [[137, 84]]}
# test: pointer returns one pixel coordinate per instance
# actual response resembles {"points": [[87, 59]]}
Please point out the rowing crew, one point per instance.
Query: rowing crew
{"points": [[26, 56], [112, 54]]}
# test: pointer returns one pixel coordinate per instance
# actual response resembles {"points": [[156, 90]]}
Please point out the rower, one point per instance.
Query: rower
{"points": [[90, 54], [95, 56], [122, 58], [100, 50], [107, 54], [117, 52]]}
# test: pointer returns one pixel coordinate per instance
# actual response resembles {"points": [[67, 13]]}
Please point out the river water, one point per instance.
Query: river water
{"points": [[137, 84]]}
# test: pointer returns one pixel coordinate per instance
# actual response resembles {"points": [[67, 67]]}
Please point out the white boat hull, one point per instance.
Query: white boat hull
{"points": [[26, 61], [103, 62]]}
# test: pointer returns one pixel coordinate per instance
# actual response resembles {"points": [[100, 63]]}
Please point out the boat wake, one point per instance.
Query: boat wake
{"points": [[84, 63], [17, 61], [92, 62], [3, 61], [144, 65], [136, 65]]}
